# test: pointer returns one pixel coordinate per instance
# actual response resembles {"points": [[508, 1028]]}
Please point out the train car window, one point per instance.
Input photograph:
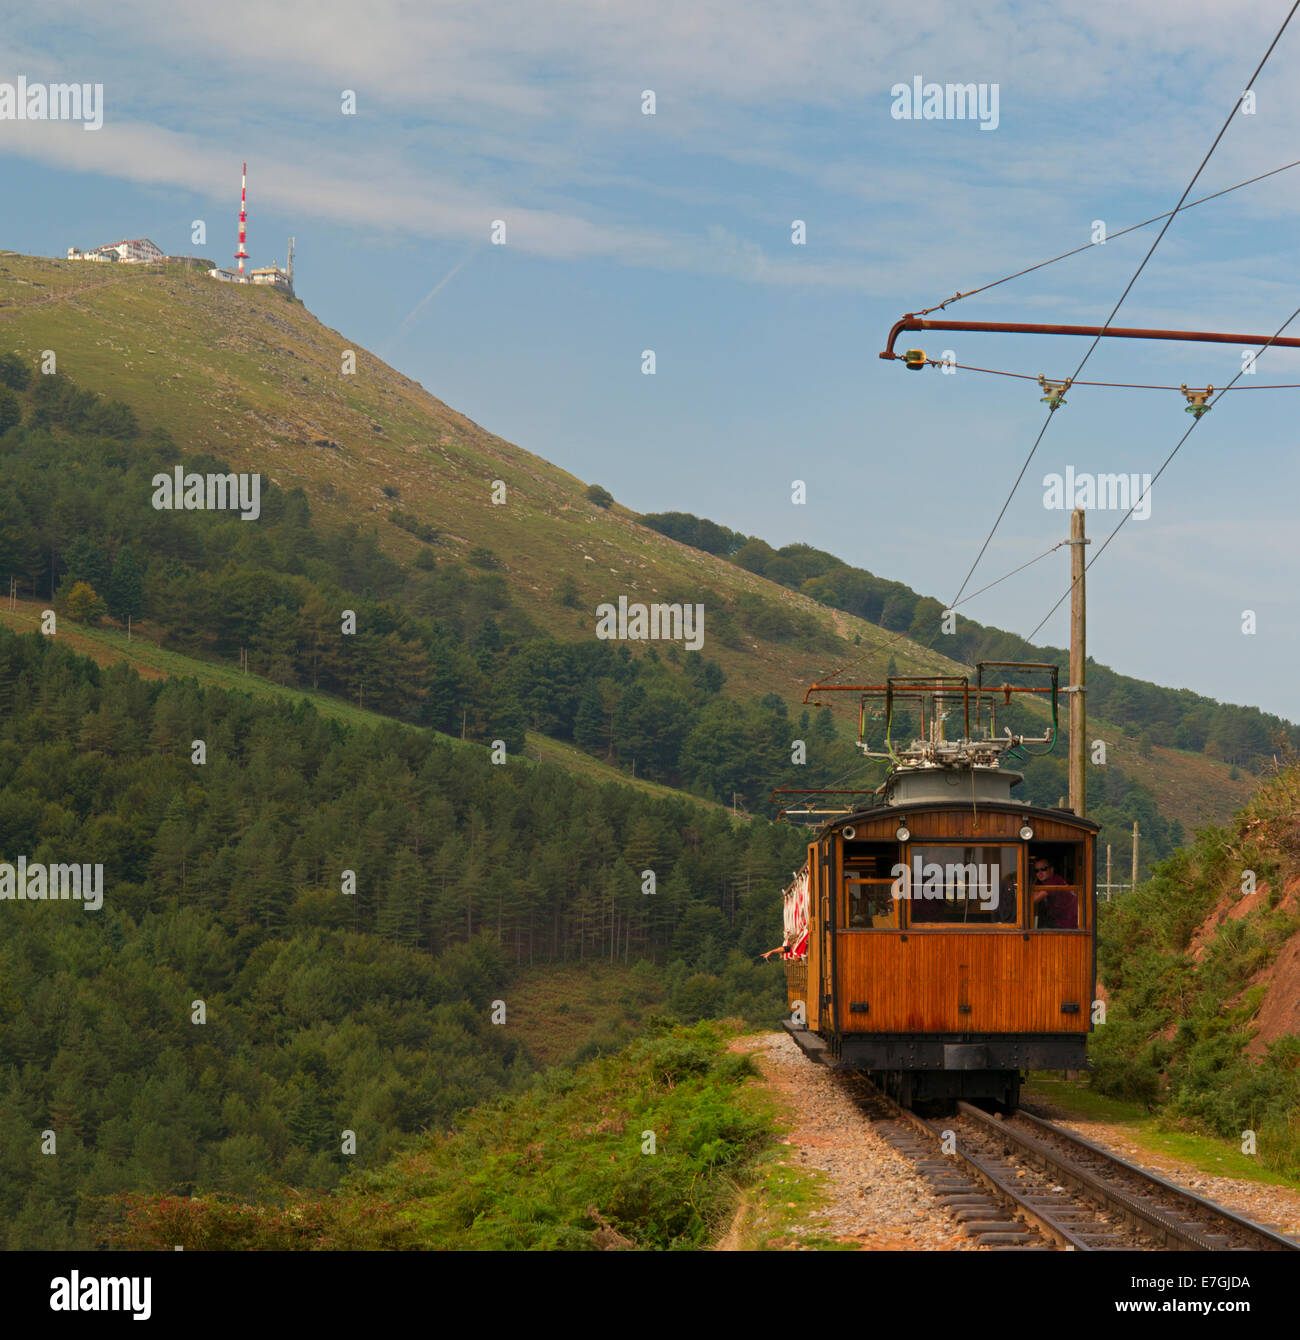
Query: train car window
{"points": [[869, 904], [960, 886], [1057, 878]]}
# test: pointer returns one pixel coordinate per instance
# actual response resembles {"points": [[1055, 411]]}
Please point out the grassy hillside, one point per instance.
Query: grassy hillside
{"points": [[253, 377]]}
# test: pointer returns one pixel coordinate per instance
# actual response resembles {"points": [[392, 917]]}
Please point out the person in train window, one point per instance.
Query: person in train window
{"points": [[1055, 902]]}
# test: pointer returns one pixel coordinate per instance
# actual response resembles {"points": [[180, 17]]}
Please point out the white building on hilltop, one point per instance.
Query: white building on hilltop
{"points": [[139, 250], [135, 251]]}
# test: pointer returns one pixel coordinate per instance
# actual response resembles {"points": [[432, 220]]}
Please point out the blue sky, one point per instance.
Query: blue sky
{"points": [[672, 232]]}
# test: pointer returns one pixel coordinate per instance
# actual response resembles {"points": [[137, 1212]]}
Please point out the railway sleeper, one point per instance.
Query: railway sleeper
{"points": [[974, 1213]]}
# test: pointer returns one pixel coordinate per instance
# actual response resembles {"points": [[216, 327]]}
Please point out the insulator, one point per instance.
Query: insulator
{"points": [[1196, 400]]}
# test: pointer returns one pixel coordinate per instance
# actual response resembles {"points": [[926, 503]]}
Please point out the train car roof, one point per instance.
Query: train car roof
{"points": [[1064, 816]]}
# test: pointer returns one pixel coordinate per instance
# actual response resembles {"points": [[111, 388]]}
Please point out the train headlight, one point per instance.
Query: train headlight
{"points": [[903, 833], [1026, 833]]}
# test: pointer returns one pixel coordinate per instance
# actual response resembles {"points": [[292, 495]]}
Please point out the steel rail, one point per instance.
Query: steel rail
{"points": [[1159, 1221], [1032, 1215]]}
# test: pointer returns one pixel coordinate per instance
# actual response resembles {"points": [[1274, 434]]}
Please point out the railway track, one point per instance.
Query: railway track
{"points": [[1021, 1183]]}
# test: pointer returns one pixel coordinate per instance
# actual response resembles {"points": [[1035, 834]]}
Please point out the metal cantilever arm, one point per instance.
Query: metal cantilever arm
{"points": [[1118, 332]]}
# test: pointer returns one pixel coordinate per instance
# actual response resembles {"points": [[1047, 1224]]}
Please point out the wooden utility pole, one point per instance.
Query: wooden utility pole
{"points": [[1135, 853], [1078, 659], [1110, 890]]}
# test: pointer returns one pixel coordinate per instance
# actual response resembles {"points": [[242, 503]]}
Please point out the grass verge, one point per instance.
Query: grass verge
{"points": [[1155, 1134]]}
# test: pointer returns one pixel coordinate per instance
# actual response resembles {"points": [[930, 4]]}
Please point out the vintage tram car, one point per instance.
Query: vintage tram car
{"points": [[943, 936]]}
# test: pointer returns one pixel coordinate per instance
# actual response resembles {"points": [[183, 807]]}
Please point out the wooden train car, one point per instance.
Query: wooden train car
{"points": [[944, 936]]}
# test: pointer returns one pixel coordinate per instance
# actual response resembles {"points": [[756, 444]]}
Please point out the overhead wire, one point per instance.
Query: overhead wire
{"points": [[1121, 386], [866, 764], [915, 633], [1013, 572], [1223, 130], [1169, 217], [1156, 476], [1110, 237]]}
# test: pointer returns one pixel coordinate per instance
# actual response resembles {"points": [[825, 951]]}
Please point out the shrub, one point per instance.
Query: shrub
{"points": [[413, 525]]}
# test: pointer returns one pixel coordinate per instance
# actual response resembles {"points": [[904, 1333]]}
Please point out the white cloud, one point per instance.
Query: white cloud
{"points": [[530, 112]]}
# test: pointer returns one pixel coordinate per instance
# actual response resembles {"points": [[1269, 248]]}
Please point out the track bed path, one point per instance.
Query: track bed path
{"points": [[1276, 1207], [875, 1197]]}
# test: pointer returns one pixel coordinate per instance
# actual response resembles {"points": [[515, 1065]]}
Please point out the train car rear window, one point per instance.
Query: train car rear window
{"points": [[868, 886], [1057, 880], [958, 886]]}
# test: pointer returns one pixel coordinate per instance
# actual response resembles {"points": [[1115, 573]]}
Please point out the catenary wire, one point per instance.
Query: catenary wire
{"points": [[1110, 237], [1156, 476], [1223, 130], [1121, 386]]}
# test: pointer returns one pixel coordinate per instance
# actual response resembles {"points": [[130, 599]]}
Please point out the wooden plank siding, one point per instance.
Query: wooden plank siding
{"points": [[1012, 981], [915, 979], [984, 825]]}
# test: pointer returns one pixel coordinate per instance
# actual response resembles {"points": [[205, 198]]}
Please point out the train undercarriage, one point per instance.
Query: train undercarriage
{"points": [[911, 1068]]}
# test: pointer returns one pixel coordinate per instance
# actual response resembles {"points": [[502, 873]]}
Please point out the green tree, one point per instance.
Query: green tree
{"points": [[126, 586], [11, 410], [567, 592], [589, 731], [84, 561], [14, 372], [84, 605], [114, 418]]}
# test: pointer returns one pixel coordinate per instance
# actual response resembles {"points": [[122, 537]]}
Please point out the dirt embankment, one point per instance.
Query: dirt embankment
{"points": [[1279, 1011]]}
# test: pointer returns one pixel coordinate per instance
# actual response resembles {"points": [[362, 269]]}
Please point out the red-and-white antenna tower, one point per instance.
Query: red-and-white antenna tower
{"points": [[242, 254]]}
